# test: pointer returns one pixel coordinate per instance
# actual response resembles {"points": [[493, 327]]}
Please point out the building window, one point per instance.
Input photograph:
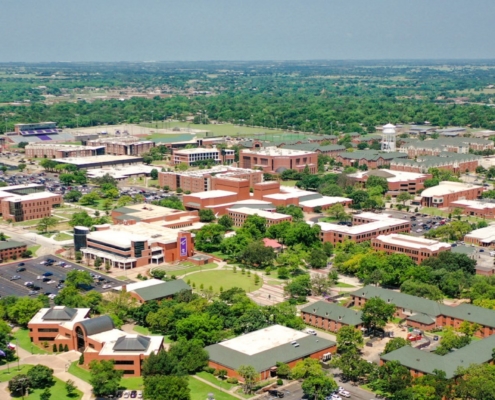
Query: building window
{"points": [[48, 330], [124, 362]]}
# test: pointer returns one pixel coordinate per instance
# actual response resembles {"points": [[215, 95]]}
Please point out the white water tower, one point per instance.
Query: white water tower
{"points": [[388, 138]]}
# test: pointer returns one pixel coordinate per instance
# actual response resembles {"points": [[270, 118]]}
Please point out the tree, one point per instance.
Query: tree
{"points": [[294, 211], [19, 384], [317, 258], [188, 356], [73, 196], [24, 309], [154, 174], [392, 378], [225, 221], [320, 285], [89, 199], [46, 223], [283, 370], [349, 339], [22, 166], [256, 254], [98, 262], [299, 287], [374, 181], [40, 376], [319, 387], [78, 278], [26, 254], [209, 238], [124, 201], [338, 212], [203, 326], [403, 197], [81, 219], [70, 387], [206, 215], [327, 247], [309, 367], [45, 394], [250, 375], [182, 167], [376, 313], [161, 387], [457, 212], [395, 344], [475, 382], [104, 378]]}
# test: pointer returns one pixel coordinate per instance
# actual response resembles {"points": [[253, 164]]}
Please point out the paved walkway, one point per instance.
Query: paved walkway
{"points": [[59, 363], [231, 392]]}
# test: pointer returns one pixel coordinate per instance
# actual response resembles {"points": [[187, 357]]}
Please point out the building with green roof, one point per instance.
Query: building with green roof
{"points": [[428, 314], [263, 348], [330, 316]]}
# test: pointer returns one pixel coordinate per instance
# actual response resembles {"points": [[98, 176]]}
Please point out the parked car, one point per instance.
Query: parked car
{"points": [[28, 284], [276, 393], [48, 274], [21, 264], [133, 394], [33, 293], [15, 278], [21, 269]]}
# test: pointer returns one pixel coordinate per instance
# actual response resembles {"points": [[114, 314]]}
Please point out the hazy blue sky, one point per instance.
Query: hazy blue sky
{"points": [[143, 30]]}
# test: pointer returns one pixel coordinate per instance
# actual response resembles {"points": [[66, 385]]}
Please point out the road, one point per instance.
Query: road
{"points": [[295, 392]]}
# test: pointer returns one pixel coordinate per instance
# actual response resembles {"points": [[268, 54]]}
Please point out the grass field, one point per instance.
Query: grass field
{"points": [[183, 268], [215, 381], [228, 130], [22, 335], [34, 249], [344, 285], [288, 183], [200, 390], [63, 236], [226, 279], [132, 383], [7, 376]]}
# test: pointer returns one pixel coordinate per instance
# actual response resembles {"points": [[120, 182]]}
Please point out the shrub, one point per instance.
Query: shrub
{"points": [[66, 348], [216, 372], [60, 348], [54, 349], [280, 382], [81, 359], [210, 370], [232, 381]]}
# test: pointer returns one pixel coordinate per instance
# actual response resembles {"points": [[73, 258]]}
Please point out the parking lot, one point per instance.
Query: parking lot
{"points": [[34, 270]]}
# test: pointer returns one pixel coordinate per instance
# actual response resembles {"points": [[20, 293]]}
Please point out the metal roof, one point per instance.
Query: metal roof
{"points": [[10, 244], [477, 352], [334, 312], [97, 325], [164, 289], [132, 343], [59, 314], [267, 359]]}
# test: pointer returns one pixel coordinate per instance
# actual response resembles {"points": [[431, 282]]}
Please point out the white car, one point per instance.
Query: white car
{"points": [[419, 230], [52, 296], [335, 397], [67, 266], [42, 262], [344, 393], [50, 282], [107, 286]]}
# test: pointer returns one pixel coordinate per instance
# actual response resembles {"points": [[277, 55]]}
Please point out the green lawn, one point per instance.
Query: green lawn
{"points": [[225, 279], [132, 383], [22, 336], [200, 390], [63, 236], [185, 268], [7, 376], [34, 249], [58, 392], [344, 285], [214, 380], [288, 183], [141, 329]]}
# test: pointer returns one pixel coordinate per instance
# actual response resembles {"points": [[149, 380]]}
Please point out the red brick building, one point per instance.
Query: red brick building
{"points": [[96, 338], [330, 316], [474, 208], [417, 248], [457, 163], [365, 227], [262, 349], [240, 214], [123, 146], [10, 250], [169, 217], [373, 159], [398, 181], [445, 193]]}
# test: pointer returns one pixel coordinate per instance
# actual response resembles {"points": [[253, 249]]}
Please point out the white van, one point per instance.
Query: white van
{"points": [[492, 253]]}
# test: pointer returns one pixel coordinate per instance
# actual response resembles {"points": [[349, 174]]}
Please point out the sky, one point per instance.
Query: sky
{"points": [[197, 30]]}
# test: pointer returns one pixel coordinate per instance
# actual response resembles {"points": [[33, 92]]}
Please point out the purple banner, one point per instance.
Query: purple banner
{"points": [[183, 246]]}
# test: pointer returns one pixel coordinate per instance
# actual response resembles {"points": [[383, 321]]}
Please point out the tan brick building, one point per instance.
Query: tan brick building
{"points": [[96, 338], [54, 150], [202, 180], [168, 217], [192, 156], [123, 146], [274, 160], [417, 248]]}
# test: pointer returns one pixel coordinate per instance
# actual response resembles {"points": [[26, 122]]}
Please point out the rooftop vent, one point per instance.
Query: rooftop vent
{"points": [[296, 344]]}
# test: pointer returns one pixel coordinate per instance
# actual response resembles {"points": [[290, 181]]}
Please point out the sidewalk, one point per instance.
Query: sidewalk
{"points": [[59, 363]]}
